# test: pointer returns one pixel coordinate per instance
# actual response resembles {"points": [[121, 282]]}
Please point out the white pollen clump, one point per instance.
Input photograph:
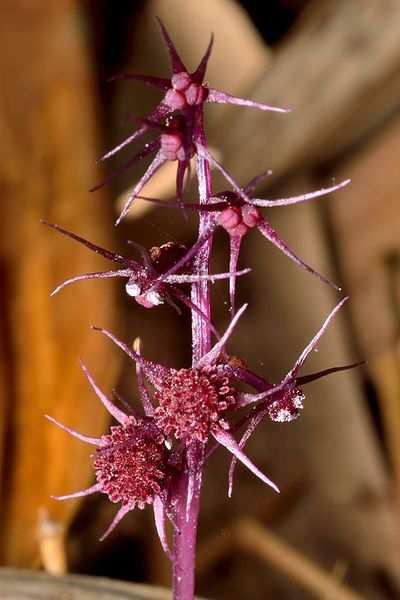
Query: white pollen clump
{"points": [[283, 416], [298, 400], [154, 298], [132, 289]]}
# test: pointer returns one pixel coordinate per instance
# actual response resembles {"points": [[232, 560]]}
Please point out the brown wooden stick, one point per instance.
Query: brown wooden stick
{"points": [[340, 74], [385, 370], [253, 537]]}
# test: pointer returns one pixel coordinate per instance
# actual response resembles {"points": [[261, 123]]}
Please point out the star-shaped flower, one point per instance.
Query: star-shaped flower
{"points": [[133, 463], [193, 402], [155, 279], [282, 402], [237, 212], [179, 116]]}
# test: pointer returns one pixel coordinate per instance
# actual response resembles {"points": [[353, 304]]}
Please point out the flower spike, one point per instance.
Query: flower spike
{"points": [[118, 415], [315, 340], [227, 440], [212, 356], [185, 93], [123, 511], [88, 439], [91, 490], [199, 73], [157, 162], [153, 371], [176, 61], [146, 283], [155, 454], [130, 464], [224, 98]]}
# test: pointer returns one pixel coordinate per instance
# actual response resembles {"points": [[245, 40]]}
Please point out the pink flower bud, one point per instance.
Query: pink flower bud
{"points": [[251, 215], [196, 94], [230, 217], [171, 143], [180, 81], [175, 100]]}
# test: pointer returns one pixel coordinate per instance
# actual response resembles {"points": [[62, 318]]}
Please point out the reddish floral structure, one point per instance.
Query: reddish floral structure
{"points": [[131, 463], [182, 134], [156, 456], [152, 281]]}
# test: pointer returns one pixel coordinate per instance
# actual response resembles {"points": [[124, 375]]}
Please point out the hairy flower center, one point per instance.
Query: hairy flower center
{"points": [[131, 463], [191, 402]]}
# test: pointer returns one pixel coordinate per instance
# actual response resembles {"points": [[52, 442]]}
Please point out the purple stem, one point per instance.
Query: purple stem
{"points": [[189, 484], [185, 525]]}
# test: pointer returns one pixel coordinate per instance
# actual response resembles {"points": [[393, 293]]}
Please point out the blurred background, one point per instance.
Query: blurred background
{"points": [[334, 532]]}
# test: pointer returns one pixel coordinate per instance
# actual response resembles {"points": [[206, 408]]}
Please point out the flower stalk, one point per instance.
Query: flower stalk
{"points": [[155, 456]]}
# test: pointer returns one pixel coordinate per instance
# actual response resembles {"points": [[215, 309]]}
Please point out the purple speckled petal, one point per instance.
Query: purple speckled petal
{"points": [[160, 522], [244, 398], [143, 393], [118, 414], [91, 490], [228, 441], [183, 166], [314, 342], [234, 246], [88, 439], [154, 372], [98, 275], [187, 278], [123, 402], [246, 376], [214, 207], [176, 62], [314, 376], [213, 354], [200, 72], [148, 149], [135, 135], [267, 231], [224, 98], [253, 183], [300, 198], [118, 517], [127, 262], [157, 162], [195, 462], [249, 430], [158, 113]]}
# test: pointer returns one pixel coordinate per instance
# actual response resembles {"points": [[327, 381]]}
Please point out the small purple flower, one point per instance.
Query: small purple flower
{"points": [[155, 279], [132, 463], [179, 117], [282, 402], [238, 213], [157, 456], [192, 402]]}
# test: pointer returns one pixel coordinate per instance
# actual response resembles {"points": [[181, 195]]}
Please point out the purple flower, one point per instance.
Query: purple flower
{"points": [[153, 280], [132, 463], [238, 213], [192, 403], [282, 402], [179, 117]]}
